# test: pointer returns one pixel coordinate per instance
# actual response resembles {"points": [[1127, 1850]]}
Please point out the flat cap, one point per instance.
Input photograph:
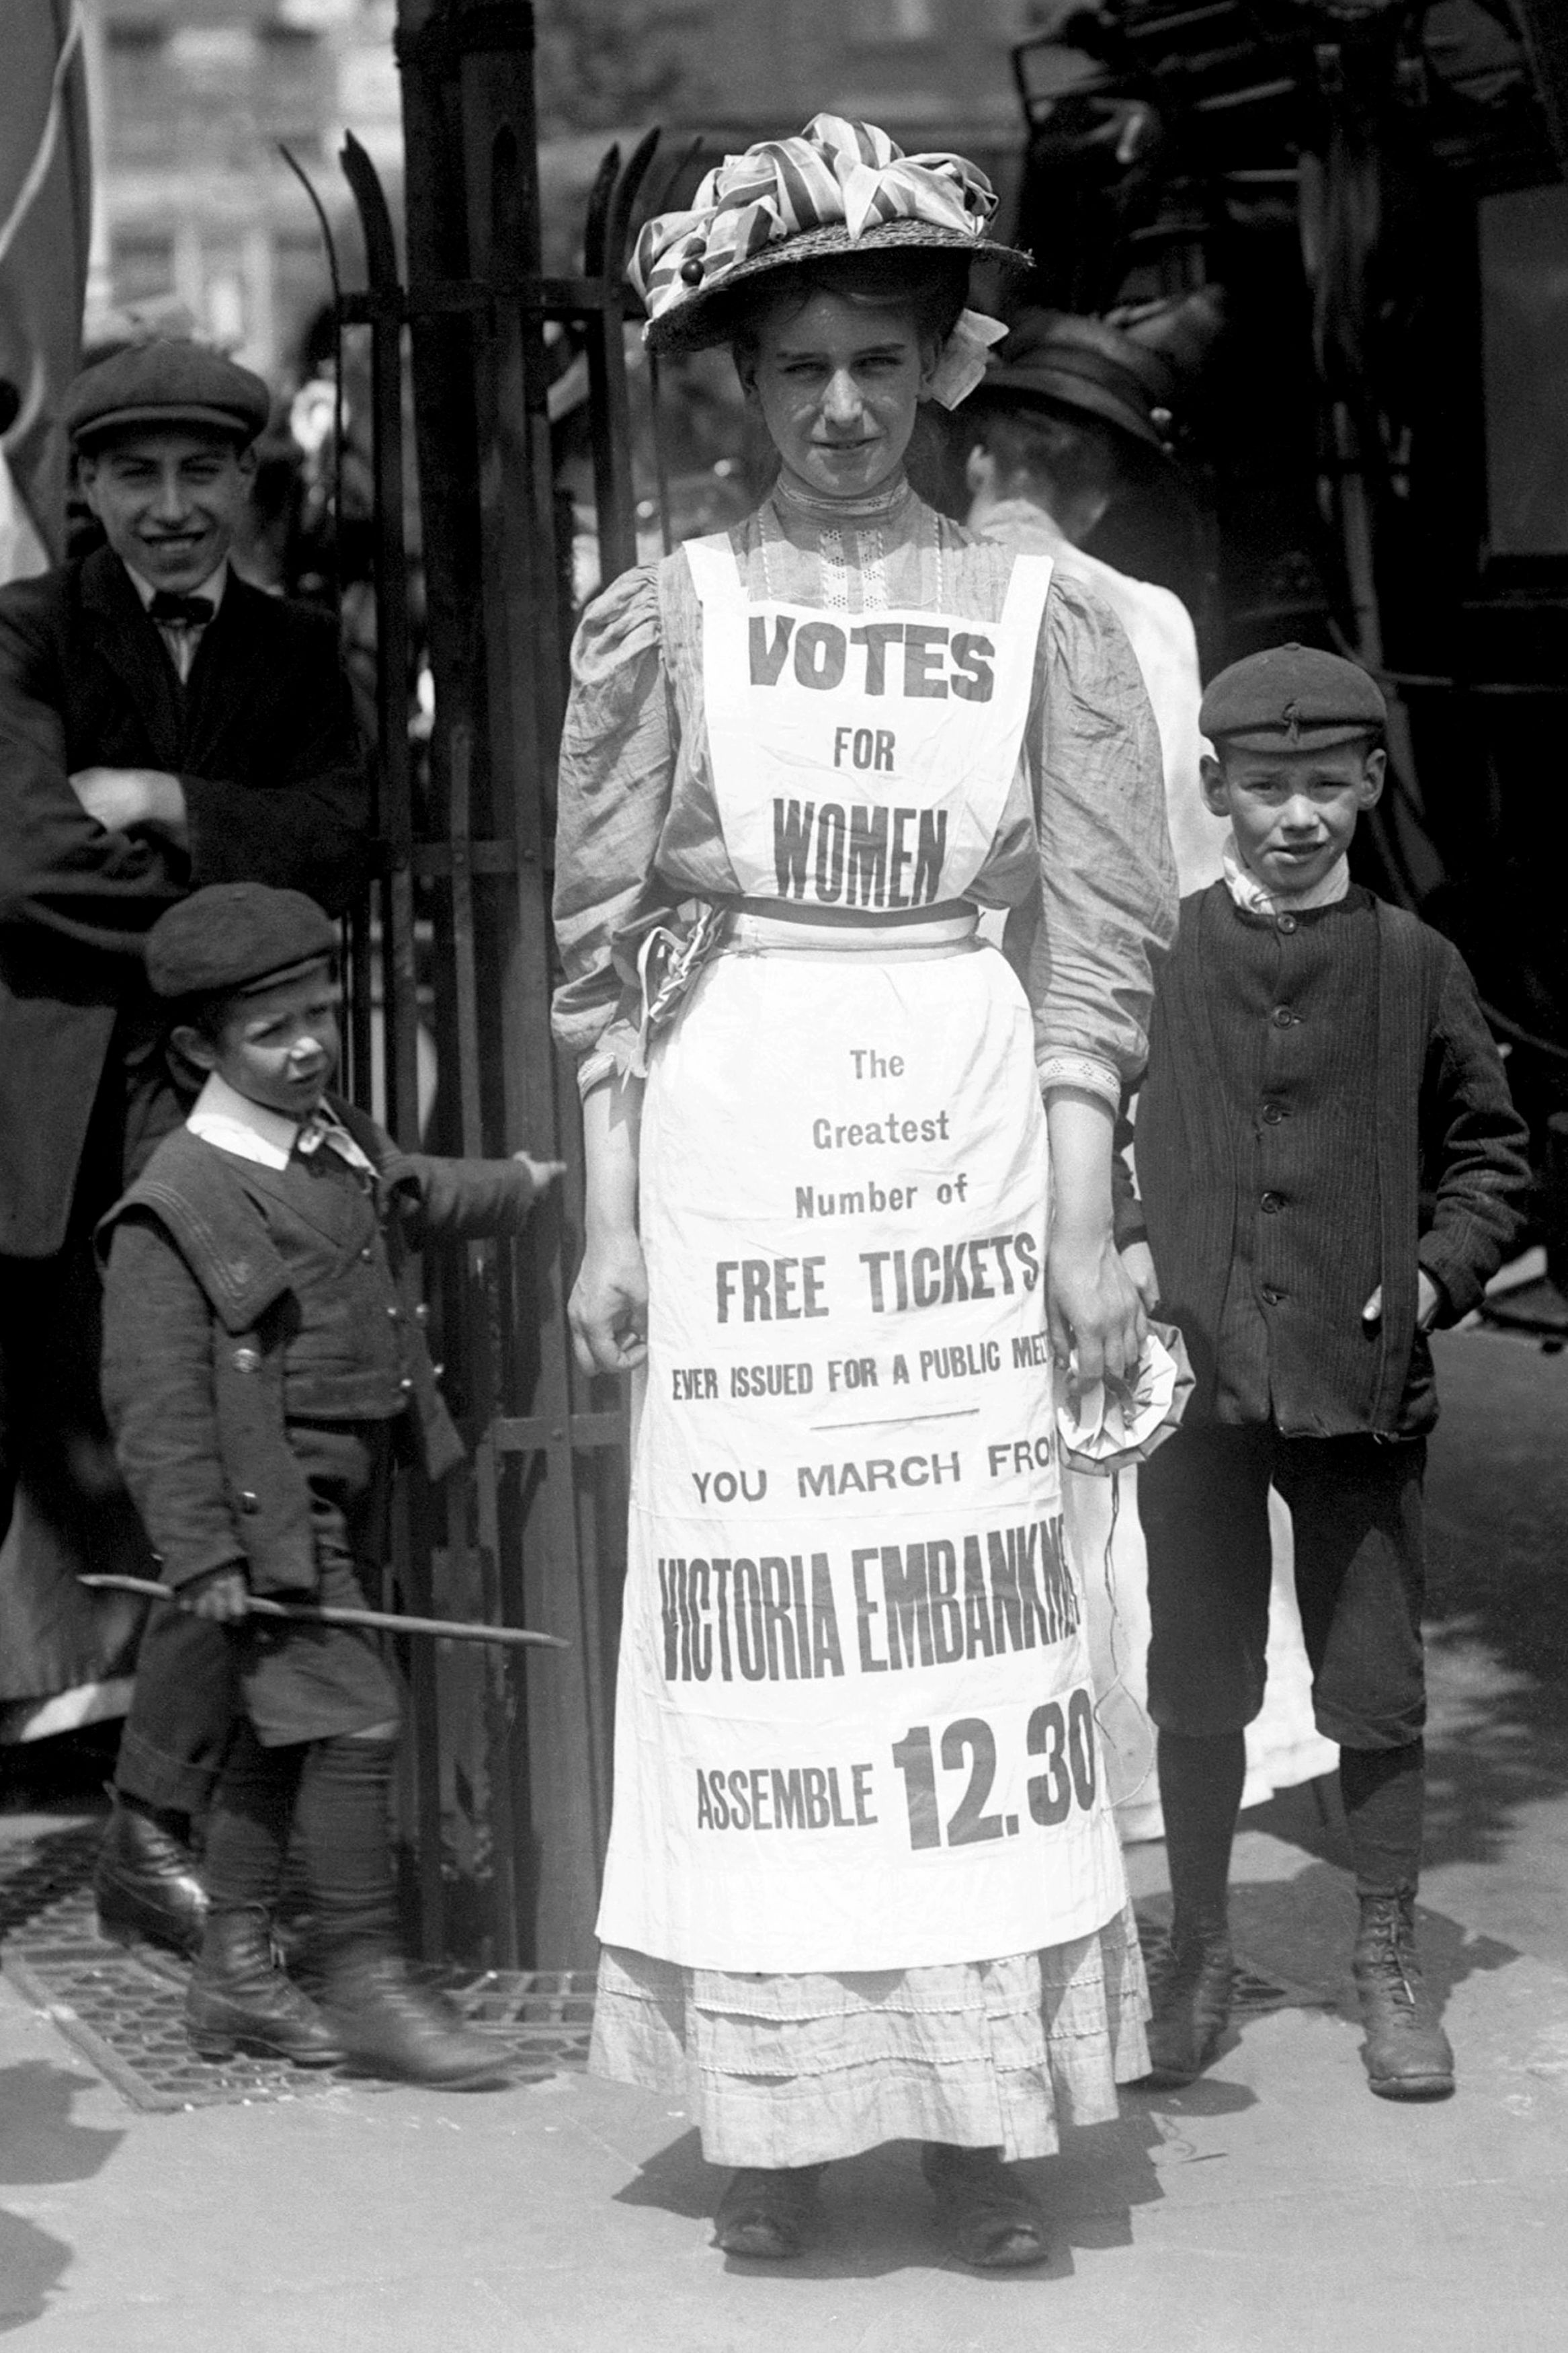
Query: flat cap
{"points": [[236, 937], [167, 382], [1291, 697]]}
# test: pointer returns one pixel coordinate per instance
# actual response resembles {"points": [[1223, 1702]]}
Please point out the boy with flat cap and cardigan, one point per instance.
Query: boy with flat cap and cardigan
{"points": [[262, 1373], [163, 725], [1329, 1165]]}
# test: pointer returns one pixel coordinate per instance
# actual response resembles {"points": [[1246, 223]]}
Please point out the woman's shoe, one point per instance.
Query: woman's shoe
{"points": [[766, 2214], [989, 2216], [239, 1998]]}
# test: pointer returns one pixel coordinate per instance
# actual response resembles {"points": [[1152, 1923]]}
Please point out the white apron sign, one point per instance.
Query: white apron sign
{"points": [[855, 1722]]}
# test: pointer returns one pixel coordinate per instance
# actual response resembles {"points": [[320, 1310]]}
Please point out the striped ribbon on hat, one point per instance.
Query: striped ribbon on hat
{"points": [[837, 174]]}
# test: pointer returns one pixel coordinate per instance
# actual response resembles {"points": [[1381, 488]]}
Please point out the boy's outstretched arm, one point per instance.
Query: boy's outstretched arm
{"points": [[468, 1200]]}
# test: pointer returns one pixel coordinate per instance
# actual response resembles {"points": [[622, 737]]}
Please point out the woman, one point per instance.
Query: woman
{"points": [[863, 1882]]}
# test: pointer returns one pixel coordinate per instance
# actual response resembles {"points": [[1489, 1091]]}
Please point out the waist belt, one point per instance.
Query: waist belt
{"points": [[763, 926], [789, 911]]}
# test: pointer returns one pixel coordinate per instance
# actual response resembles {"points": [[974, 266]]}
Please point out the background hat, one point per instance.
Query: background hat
{"points": [[1291, 697], [1083, 363], [842, 187], [234, 936], [166, 381]]}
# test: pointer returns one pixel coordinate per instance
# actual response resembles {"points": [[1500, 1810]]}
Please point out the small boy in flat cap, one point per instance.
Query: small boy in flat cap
{"points": [[261, 1373], [1330, 1165], [163, 724]]}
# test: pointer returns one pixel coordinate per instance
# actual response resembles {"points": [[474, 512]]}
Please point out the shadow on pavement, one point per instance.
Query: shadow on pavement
{"points": [[1301, 1929], [39, 2144], [877, 2212], [38, 2141], [1497, 1600], [31, 2265]]}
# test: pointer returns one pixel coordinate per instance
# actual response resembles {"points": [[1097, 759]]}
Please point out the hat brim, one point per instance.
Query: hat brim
{"points": [[1058, 389], [702, 320], [94, 429], [1329, 737], [293, 970]]}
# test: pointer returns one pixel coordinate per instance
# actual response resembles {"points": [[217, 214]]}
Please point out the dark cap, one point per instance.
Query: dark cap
{"points": [[1083, 363], [233, 937], [168, 383], [1292, 697]]}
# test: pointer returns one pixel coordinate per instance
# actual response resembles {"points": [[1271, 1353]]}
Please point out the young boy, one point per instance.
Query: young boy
{"points": [[261, 1373], [1329, 1162]]}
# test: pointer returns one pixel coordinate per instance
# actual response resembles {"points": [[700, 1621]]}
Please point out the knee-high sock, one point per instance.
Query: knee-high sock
{"points": [[1385, 1794], [343, 1825], [1200, 1791], [248, 1829]]}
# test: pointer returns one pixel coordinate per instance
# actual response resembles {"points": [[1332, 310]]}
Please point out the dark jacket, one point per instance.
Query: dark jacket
{"points": [[1324, 1109], [262, 738], [237, 1300]]}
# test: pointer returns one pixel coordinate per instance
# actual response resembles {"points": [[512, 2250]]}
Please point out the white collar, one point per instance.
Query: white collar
{"points": [[251, 1131], [1250, 892], [212, 587]]}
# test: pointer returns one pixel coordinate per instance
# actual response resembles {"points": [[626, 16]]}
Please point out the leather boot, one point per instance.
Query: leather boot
{"points": [[145, 1884], [1406, 2054], [1191, 2002], [390, 2026], [239, 1999]]}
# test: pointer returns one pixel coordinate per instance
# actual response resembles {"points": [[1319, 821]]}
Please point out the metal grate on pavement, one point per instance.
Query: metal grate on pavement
{"points": [[123, 2007]]}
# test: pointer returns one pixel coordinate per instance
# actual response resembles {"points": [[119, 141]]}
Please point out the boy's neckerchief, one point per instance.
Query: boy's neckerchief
{"points": [[1255, 898], [324, 1127]]}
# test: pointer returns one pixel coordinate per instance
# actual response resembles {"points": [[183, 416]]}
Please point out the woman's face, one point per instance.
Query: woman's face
{"points": [[837, 384]]}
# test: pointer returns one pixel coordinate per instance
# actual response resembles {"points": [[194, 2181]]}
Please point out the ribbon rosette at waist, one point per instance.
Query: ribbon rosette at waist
{"points": [[837, 174], [1109, 1424]]}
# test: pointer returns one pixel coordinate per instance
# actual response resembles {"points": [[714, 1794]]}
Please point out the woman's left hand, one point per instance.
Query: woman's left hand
{"points": [[1093, 1308]]}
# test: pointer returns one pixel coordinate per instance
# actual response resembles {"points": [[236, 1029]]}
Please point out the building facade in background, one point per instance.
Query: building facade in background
{"points": [[193, 98], [194, 207]]}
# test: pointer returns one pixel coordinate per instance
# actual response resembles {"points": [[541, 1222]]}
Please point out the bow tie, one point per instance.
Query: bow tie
{"points": [[180, 612]]}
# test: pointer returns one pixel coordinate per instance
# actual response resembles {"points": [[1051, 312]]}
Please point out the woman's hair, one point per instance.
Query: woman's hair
{"points": [[926, 285]]}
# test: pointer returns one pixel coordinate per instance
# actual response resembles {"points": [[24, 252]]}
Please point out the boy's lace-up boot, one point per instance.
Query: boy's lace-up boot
{"points": [[1192, 2000], [239, 1998], [1407, 2055], [392, 2026]]}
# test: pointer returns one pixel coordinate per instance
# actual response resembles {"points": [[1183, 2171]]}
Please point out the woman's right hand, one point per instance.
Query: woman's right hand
{"points": [[609, 1307]]}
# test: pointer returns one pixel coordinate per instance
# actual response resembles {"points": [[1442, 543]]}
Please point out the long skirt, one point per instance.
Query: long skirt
{"points": [[864, 1883]]}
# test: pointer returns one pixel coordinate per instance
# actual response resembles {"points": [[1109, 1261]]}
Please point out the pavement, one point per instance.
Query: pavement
{"points": [[1274, 2207]]}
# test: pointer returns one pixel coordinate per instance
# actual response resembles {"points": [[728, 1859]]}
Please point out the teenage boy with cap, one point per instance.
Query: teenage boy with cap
{"points": [[1330, 1167], [261, 1373], [163, 725]]}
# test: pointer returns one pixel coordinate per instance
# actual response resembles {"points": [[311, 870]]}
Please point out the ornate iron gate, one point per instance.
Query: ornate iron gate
{"points": [[507, 1796]]}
